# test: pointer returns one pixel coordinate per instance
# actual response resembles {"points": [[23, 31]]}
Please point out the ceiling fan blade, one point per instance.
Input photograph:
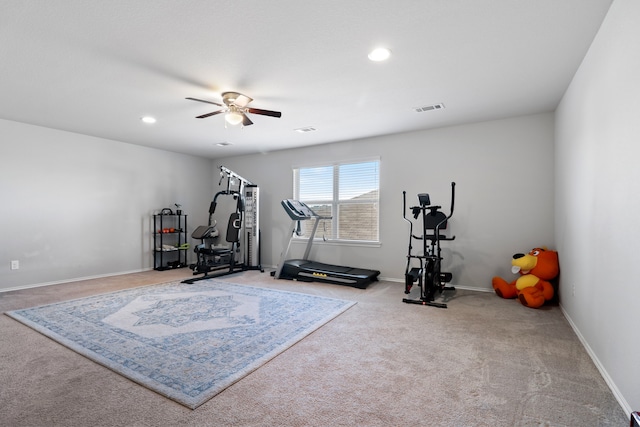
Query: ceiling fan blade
{"points": [[210, 114], [264, 112], [202, 100], [246, 121]]}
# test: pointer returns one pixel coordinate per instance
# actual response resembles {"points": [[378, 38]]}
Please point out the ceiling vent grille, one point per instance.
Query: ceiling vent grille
{"points": [[429, 108]]}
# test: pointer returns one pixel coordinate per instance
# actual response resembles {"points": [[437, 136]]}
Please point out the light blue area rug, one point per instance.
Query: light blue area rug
{"points": [[187, 342]]}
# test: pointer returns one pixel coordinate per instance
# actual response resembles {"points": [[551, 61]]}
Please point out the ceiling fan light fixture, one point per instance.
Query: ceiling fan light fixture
{"points": [[233, 117], [379, 54], [235, 110]]}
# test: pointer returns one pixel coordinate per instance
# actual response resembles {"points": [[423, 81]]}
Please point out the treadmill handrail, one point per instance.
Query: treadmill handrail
{"points": [[300, 211]]}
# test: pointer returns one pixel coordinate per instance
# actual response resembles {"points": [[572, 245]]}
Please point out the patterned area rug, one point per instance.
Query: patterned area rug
{"points": [[187, 342]]}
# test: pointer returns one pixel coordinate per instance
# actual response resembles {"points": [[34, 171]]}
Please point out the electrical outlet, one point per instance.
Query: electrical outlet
{"points": [[15, 264]]}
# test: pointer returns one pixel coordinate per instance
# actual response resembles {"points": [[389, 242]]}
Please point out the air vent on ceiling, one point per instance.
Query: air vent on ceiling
{"points": [[305, 130], [429, 108]]}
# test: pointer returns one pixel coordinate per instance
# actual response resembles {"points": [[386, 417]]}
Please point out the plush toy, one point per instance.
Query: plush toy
{"points": [[536, 269]]}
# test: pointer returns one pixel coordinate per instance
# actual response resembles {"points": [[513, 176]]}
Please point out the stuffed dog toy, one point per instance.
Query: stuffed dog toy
{"points": [[533, 287]]}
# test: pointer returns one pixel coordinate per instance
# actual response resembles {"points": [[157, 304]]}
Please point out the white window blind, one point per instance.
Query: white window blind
{"points": [[348, 192]]}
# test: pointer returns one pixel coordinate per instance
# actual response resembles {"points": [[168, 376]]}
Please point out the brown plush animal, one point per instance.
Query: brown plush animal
{"points": [[536, 269]]}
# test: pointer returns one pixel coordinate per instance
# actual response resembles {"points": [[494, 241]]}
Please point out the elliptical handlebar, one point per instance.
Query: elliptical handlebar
{"points": [[404, 215], [453, 198], [404, 205], [433, 208], [404, 209], [429, 207]]}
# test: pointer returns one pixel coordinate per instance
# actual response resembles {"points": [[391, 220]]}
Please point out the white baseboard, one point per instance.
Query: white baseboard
{"points": [[466, 288], [75, 279], [605, 375]]}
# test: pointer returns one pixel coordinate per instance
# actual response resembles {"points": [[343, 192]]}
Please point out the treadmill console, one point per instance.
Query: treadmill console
{"points": [[297, 210]]}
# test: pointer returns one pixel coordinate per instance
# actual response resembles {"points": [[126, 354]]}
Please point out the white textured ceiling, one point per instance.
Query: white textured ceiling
{"points": [[96, 67]]}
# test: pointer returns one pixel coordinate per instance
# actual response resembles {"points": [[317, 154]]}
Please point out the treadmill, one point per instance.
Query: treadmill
{"points": [[311, 271]]}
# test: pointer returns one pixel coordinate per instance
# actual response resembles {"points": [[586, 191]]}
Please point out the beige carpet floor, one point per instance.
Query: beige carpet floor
{"points": [[484, 361]]}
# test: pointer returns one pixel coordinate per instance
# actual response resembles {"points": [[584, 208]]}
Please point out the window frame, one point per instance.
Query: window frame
{"points": [[335, 201]]}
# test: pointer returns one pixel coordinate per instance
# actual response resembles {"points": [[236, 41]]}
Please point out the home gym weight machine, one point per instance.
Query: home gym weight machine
{"points": [[242, 227], [429, 276]]}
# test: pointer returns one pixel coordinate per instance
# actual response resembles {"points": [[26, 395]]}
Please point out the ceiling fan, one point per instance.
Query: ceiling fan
{"points": [[235, 107]]}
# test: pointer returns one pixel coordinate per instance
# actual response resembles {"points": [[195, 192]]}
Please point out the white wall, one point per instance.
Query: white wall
{"points": [[597, 199], [75, 206], [504, 204]]}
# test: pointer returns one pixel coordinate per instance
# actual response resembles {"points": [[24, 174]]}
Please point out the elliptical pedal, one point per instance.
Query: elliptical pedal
{"points": [[446, 277], [410, 278]]}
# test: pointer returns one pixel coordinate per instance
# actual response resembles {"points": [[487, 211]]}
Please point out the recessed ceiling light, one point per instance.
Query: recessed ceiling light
{"points": [[148, 119], [306, 129], [379, 54]]}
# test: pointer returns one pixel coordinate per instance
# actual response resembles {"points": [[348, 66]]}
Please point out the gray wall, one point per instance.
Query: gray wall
{"points": [[75, 206], [597, 205], [504, 194], [80, 206]]}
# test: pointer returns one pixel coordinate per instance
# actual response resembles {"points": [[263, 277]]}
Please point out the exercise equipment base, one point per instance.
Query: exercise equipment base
{"points": [[311, 271], [429, 303]]}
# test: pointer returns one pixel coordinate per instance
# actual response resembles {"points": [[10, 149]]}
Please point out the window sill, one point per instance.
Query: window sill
{"points": [[361, 244]]}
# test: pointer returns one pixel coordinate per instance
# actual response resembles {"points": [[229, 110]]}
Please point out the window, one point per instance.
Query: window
{"points": [[347, 192]]}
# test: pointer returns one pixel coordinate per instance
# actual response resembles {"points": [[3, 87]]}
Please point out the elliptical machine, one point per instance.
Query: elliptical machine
{"points": [[429, 276]]}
